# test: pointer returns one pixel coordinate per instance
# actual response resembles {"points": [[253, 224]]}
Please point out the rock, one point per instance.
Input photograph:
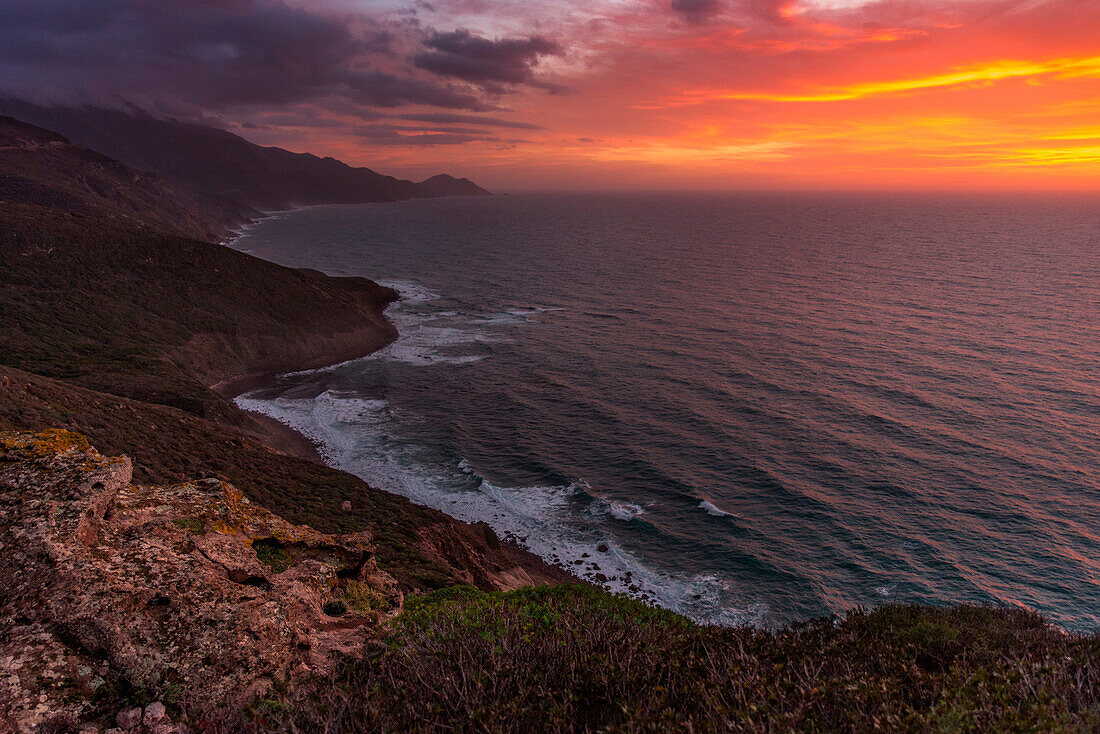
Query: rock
{"points": [[474, 554], [128, 718], [346, 505], [189, 583], [602, 547], [154, 712]]}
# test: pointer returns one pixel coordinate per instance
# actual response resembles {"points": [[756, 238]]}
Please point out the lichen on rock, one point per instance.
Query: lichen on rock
{"points": [[160, 586]]}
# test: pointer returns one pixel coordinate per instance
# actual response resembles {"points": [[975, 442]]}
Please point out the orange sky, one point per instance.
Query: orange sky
{"points": [[762, 94]]}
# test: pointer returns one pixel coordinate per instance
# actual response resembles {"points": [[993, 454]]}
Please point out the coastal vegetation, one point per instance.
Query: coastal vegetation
{"points": [[574, 658]]}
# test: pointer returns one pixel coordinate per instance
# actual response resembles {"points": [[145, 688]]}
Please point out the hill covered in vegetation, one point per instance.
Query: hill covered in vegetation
{"points": [[41, 167]]}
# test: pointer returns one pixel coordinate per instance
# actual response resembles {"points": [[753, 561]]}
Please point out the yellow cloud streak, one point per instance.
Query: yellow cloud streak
{"points": [[673, 153], [1086, 67], [1055, 156]]}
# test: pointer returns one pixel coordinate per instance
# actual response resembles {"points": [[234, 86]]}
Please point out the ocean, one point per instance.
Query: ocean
{"points": [[748, 408]]}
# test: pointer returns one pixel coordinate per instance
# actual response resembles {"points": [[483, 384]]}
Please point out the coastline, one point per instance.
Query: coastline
{"points": [[279, 437]]}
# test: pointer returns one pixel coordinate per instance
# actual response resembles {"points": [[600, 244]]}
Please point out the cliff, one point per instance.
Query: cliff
{"points": [[420, 547], [185, 607]]}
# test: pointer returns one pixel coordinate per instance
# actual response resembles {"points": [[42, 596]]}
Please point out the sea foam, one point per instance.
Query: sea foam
{"points": [[566, 524]]}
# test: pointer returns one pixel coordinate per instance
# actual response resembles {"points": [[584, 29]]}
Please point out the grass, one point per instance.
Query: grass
{"points": [[573, 658], [273, 555], [190, 524], [363, 598]]}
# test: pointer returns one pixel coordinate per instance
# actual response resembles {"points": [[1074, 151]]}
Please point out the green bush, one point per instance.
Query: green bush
{"points": [[573, 658]]}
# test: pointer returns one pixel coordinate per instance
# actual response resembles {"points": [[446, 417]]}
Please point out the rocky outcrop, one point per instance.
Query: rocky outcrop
{"points": [[189, 590]]}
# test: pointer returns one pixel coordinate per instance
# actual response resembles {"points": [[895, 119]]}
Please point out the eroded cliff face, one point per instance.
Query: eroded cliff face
{"points": [[188, 588]]}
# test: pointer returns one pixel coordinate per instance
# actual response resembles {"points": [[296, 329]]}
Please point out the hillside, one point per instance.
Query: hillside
{"points": [[422, 548], [157, 317], [226, 165], [41, 167]]}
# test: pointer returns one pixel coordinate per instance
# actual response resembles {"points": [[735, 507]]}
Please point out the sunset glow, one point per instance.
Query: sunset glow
{"points": [[699, 94]]}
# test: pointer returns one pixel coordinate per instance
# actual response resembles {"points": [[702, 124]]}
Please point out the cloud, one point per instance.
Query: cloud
{"points": [[397, 135], [493, 65], [212, 54], [445, 118], [696, 11]]}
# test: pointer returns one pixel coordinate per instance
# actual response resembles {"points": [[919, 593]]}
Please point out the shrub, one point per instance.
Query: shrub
{"points": [[573, 658]]}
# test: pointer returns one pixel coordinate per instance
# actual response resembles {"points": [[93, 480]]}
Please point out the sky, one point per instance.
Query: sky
{"points": [[603, 94]]}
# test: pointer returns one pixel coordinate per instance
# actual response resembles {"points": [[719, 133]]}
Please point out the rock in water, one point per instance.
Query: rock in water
{"points": [[190, 586]]}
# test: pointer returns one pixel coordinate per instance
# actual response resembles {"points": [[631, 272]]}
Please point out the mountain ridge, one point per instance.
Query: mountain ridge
{"points": [[220, 163], [39, 166]]}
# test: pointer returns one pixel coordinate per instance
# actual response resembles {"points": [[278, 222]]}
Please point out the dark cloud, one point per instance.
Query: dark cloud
{"points": [[446, 118], [493, 65], [398, 135], [210, 54], [381, 89], [696, 11]]}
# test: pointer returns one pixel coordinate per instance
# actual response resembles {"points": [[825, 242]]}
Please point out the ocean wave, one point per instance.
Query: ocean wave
{"points": [[711, 509], [564, 524], [411, 292], [431, 334], [615, 509], [625, 511]]}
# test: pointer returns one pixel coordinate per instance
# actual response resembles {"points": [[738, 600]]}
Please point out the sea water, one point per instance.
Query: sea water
{"points": [[748, 408]]}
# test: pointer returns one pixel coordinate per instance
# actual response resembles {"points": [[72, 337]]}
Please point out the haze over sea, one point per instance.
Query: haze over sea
{"points": [[745, 407]]}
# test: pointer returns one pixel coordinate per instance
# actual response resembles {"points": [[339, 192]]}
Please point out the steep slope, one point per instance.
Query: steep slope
{"points": [[157, 317], [219, 162], [41, 167]]}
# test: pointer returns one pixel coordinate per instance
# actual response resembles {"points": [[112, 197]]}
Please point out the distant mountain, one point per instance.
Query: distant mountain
{"points": [[218, 162], [444, 185], [41, 167]]}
